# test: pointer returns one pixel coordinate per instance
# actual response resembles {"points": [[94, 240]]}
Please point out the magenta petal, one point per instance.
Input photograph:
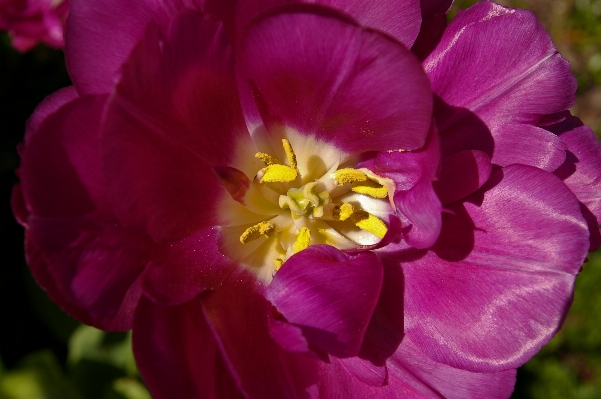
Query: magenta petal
{"points": [[174, 116], [434, 7], [417, 204], [341, 84], [452, 383], [365, 371], [461, 174], [582, 170], [500, 279], [180, 270], [97, 44], [50, 105], [238, 314], [495, 79], [330, 295], [370, 13], [177, 355]]}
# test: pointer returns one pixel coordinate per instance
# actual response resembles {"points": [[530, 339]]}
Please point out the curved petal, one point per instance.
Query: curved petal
{"points": [[76, 250], [495, 79], [97, 44], [582, 170], [180, 270], [499, 280], [373, 14], [461, 174], [174, 115], [348, 86], [330, 295], [434, 7], [238, 315], [417, 203], [48, 106], [450, 382], [177, 355]]}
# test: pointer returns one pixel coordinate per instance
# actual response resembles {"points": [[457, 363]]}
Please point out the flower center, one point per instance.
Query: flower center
{"points": [[306, 201]]}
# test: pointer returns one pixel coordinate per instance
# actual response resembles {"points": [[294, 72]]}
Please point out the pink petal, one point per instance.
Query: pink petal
{"points": [[50, 105], [417, 204], [174, 115], [330, 295], [499, 281], [373, 14], [346, 85], [180, 270], [507, 83], [452, 383], [461, 174], [434, 7], [238, 315], [582, 170], [177, 355], [97, 43]]}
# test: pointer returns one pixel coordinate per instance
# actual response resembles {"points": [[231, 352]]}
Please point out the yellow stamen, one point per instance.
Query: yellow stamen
{"points": [[260, 229], [349, 175], [343, 212], [368, 222], [268, 159], [278, 262], [303, 240], [371, 188], [278, 174], [289, 153]]}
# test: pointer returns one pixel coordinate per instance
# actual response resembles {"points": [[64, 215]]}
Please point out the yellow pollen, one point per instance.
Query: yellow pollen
{"points": [[343, 212], [349, 175], [303, 240], [278, 262], [260, 229], [371, 188], [268, 159], [368, 222], [278, 174], [289, 153]]}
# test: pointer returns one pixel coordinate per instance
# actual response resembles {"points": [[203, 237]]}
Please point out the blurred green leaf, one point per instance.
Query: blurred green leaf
{"points": [[38, 377], [131, 388]]}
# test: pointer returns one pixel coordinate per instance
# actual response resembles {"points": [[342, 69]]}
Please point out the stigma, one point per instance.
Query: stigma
{"points": [[309, 197]]}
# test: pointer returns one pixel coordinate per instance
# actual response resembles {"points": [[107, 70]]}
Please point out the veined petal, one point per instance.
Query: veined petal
{"points": [[341, 84], [97, 45], [174, 116], [464, 71], [483, 306], [238, 315], [177, 354], [330, 295]]}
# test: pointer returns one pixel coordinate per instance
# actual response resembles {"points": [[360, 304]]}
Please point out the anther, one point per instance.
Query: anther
{"points": [[370, 223], [303, 240], [260, 229], [342, 212], [268, 159], [278, 174], [349, 175], [371, 188], [289, 153]]}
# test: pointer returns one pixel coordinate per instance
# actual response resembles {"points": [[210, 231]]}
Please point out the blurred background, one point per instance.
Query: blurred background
{"points": [[44, 354]]}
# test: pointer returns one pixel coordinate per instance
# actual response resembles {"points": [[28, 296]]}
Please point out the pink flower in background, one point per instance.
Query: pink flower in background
{"points": [[29, 22], [291, 204]]}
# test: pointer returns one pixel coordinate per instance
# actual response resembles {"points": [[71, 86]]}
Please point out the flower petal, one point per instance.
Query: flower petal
{"points": [[177, 355], [417, 203], [179, 271], [373, 14], [341, 84], [330, 295], [473, 69], [238, 315], [462, 174], [498, 282], [450, 382], [174, 115], [582, 170], [97, 45]]}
